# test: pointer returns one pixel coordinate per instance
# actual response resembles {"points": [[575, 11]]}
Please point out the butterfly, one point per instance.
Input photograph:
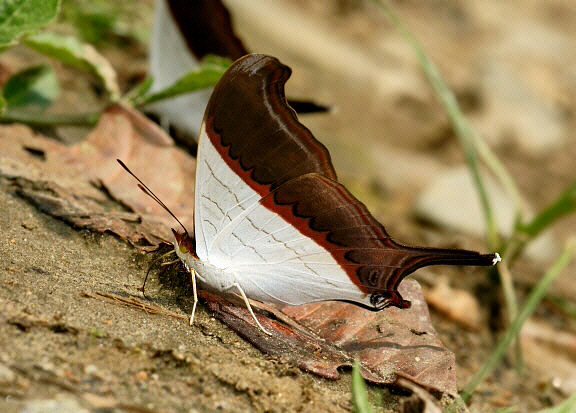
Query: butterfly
{"points": [[272, 222]]}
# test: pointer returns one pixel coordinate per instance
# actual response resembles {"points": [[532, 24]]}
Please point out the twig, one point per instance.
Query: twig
{"points": [[136, 303]]}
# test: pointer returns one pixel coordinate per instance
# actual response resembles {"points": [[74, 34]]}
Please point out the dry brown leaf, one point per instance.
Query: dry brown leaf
{"points": [[332, 334], [59, 179]]}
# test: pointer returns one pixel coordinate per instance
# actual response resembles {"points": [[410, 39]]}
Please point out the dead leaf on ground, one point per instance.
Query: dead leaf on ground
{"points": [[67, 181], [329, 335], [83, 212]]}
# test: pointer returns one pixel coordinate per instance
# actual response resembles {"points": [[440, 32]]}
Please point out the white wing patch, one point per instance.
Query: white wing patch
{"points": [[220, 196], [270, 258]]}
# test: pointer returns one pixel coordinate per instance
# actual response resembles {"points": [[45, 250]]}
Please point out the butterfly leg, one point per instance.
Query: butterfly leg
{"points": [[150, 269], [193, 275], [250, 308]]}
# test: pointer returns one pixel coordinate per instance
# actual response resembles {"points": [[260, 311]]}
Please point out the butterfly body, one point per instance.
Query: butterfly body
{"points": [[218, 279]]}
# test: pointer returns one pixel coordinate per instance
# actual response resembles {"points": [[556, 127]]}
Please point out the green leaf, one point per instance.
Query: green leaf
{"points": [[138, 93], [82, 56], [2, 103], [36, 86], [18, 17], [207, 74], [359, 391], [213, 59]]}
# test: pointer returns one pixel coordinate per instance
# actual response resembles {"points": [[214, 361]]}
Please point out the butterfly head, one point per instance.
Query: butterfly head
{"points": [[184, 244]]}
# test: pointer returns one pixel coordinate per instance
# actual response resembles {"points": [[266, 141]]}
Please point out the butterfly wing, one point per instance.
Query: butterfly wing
{"points": [[243, 136], [270, 210]]}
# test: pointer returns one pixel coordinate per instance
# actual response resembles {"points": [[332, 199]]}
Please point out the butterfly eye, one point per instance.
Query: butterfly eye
{"points": [[183, 249]]}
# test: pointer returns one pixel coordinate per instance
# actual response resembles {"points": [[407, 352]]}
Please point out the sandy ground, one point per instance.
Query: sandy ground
{"points": [[61, 344]]}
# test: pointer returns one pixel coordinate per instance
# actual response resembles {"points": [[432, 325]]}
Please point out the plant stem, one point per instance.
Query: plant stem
{"points": [[462, 128], [50, 119], [359, 390], [474, 147], [532, 301]]}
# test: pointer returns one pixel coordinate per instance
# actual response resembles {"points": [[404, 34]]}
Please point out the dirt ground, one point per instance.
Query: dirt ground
{"points": [[84, 352]]}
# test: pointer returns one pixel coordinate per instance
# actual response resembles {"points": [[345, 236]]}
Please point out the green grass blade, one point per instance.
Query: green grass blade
{"points": [[473, 147], [359, 391], [463, 130], [563, 205], [565, 305]]}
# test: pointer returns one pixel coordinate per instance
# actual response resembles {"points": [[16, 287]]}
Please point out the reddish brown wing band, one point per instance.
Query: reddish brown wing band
{"points": [[260, 138]]}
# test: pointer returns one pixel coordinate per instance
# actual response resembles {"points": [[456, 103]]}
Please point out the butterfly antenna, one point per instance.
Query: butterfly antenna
{"points": [[151, 194]]}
